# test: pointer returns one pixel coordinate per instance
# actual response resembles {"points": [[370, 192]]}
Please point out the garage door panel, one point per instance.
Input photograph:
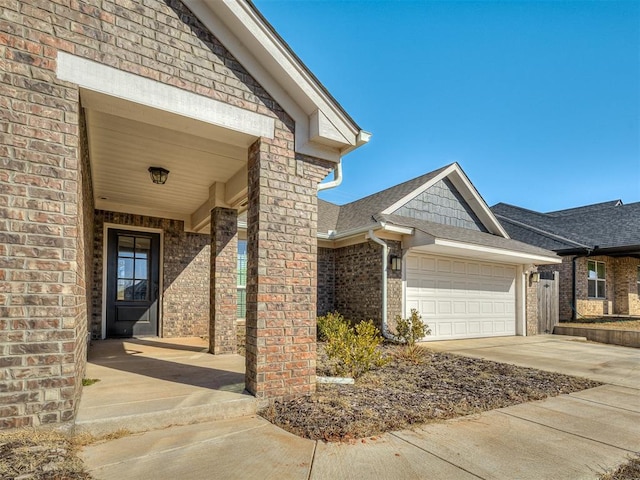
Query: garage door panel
{"points": [[459, 298]]}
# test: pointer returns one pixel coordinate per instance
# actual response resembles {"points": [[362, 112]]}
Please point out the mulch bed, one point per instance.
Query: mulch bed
{"points": [[406, 393], [628, 471], [31, 454]]}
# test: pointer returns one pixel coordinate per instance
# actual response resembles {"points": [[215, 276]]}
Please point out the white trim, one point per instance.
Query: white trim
{"points": [[134, 88], [468, 192], [322, 128], [526, 257], [105, 241]]}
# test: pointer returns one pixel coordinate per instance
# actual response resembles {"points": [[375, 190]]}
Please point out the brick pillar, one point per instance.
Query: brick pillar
{"points": [[224, 283], [281, 269]]}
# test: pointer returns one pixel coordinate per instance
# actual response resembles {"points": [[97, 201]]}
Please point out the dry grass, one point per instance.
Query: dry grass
{"points": [[616, 325], [410, 391], [40, 454], [628, 471]]}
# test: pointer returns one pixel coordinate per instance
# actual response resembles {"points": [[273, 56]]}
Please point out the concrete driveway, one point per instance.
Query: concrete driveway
{"points": [[567, 437], [556, 353]]}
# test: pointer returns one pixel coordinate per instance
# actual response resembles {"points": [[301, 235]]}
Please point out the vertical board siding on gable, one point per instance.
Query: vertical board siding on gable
{"points": [[441, 203]]}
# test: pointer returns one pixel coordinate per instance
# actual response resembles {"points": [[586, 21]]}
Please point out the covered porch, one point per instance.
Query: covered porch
{"points": [[151, 383]]}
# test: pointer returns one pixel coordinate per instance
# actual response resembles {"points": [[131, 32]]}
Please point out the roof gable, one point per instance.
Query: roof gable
{"points": [[323, 129], [442, 203], [465, 192]]}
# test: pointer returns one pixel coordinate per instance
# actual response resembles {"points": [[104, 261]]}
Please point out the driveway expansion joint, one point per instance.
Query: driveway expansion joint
{"points": [[394, 434], [566, 432]]}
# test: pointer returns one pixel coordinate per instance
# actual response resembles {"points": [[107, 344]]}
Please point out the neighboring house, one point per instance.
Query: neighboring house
{"points": [[93, 95], [600, 249], [448, 257]]}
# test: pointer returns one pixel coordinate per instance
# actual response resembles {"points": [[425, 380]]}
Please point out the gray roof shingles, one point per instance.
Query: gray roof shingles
{"points": [[603, 225], [367, 212]]}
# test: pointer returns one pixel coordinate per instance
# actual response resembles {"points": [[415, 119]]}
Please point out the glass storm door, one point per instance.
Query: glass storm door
{"points": [[133, 273]]}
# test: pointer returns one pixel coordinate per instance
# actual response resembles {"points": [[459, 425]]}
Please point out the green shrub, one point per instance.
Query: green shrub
{"points": [[328, 325], [355, 349], [409, 330]]}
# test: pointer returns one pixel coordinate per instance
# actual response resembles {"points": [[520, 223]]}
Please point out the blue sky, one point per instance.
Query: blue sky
{"points": [[539, 102]]}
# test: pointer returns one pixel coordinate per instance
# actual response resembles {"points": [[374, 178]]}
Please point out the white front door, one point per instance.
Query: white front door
{"points": [[461, 298]]}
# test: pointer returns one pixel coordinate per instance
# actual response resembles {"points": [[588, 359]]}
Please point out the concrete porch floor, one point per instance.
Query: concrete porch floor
{"points": [[150, 383]]}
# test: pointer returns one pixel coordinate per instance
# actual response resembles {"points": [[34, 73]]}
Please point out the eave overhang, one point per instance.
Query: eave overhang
{"points": [[322, 128], [424, 242]]}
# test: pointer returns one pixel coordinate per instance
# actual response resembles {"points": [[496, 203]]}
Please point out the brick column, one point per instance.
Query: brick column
{"points": [[224, 264], [281, 269]]}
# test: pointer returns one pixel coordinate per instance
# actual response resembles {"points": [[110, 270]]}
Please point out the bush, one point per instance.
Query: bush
{"points": [[409, 330], [355, 349], [328, 325]]}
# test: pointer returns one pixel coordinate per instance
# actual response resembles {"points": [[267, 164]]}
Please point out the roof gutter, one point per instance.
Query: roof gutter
{"points": [[337, 178]]}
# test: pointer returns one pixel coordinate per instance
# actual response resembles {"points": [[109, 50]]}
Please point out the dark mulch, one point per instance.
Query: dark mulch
{"points": [[628, 471], [404, 393]]}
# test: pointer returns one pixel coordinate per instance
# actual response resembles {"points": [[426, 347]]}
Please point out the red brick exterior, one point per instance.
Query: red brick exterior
{"points": [[224, 280], [349, 281], [46, 208], [281, 267], [621, 291]]}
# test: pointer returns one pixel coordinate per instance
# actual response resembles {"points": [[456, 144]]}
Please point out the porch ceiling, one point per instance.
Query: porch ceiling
{"points": [[125, 140]]}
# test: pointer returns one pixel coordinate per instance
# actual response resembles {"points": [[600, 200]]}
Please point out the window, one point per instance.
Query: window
{"points": [[596, 283], [242, 279]]}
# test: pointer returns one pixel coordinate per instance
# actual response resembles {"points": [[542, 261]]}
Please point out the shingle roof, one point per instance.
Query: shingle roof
{"points": [[604, 225], [360, 213], [366, 212]]}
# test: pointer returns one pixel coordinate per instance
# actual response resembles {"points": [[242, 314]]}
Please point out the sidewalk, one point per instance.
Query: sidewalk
{"points": [[567, 437]]}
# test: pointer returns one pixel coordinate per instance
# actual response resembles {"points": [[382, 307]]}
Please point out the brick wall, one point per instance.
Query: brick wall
{"points": [[43, 301], [326, 281], [281, 267], [357, 274], [621, 287], [625, 286], [185, 279]]}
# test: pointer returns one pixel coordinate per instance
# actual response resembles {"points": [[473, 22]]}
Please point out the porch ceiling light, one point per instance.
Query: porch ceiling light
{"points": [[158, 175]]}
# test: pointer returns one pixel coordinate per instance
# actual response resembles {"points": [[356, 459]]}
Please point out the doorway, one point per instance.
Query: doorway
{"points": [[133, 283]]}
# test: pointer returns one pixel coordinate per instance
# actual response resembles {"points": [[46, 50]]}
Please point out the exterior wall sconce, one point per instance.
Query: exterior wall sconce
{"points": [[396, 263], [535, 277], [158, 175]]}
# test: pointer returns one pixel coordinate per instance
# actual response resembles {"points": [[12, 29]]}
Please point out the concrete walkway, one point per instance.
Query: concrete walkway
{"points": [[154, 383], [567, 437]]}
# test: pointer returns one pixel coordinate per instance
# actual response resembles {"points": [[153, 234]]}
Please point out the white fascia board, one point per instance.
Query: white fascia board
{"points": [[268, 60], [525, 257], [116, 83], [468, 192]]}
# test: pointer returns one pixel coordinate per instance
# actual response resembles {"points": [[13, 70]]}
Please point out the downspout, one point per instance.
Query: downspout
{"points": [[385, 252], [337, 178]]}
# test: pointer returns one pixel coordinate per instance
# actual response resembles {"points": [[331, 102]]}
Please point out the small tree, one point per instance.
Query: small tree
{"points": [[409, 331]]}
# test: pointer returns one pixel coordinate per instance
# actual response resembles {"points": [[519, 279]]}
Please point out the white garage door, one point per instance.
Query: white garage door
{"points": [[460, 298]]}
